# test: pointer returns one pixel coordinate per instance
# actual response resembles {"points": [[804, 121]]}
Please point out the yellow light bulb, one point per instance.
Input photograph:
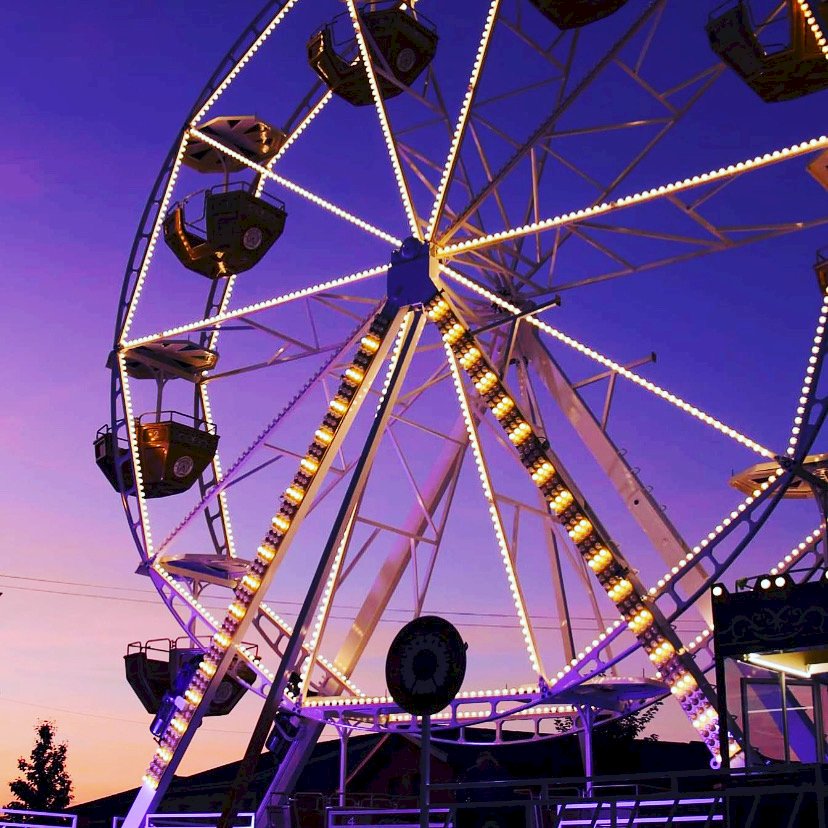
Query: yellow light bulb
{"points": [[324, 436], [309, 464], [294, 494]]}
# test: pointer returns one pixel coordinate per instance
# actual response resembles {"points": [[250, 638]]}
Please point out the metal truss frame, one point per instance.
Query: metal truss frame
{"points": [[513, 277]]}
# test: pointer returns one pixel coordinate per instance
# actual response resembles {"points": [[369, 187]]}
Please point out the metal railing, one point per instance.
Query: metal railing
{"points": [[386, 817], [778, 797], [196, 820], [188, 820], [36, 819]]}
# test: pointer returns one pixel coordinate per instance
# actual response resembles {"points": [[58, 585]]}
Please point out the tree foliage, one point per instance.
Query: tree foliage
{"points": [[44, 783], [630, 727], [625, 729]]}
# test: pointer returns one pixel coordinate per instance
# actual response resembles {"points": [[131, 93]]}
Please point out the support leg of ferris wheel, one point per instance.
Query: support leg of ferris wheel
{"points": [[252, 588], [654, 632], [638, 500], [324, 578]]}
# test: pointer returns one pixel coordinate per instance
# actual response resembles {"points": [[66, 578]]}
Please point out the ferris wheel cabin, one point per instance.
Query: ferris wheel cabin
{"points": [[246, 135], [401, 43], [234, 228], [572, 14], [173, 452], [232, 234], [780, 58], [159, 670], [174, 449]]}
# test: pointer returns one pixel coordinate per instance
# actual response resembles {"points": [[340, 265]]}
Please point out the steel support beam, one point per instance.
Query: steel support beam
{"points": [[638, 500]]}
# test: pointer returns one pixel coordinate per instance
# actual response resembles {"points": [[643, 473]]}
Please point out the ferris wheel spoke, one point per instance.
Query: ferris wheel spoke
{"points": [[673, 399], [462, 120], [178, 591], [496, 519], [257, 307], [761, 502], [277, 360], [382, 115], [702, 81], [485, 258], [294, 135], [284, 6], [283, 632], [703, 249], [807, 548], [653, 194], [264, 172], [652, 519], [546, 127]]}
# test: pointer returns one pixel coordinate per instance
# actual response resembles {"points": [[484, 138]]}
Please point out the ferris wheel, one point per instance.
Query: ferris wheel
{"points": [[439, 206]]}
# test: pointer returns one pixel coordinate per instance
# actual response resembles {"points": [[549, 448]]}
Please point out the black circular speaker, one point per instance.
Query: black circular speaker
{"points": [[425, 666]]}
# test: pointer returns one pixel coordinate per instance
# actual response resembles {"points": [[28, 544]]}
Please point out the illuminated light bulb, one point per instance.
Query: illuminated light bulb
{"points": [[265, 554], [221, 640], [600, 560], [294, 494], [324, 436], [641, 621], [562, 501], [520, 433], [355, 374], [488, 381], [542, 474], [581, 530], [193, 696], [251, 582], [502, 407], [370, 343], [454, 333], [620, 590], [339, 405], [662, 653], [238, 611], [150, 781], [208, 668], [164, 754], [179, 725], [470, 358], [438, 310]]}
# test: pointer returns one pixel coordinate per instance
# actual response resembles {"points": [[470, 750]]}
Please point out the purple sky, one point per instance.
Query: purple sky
{"points": [[94, 97]]}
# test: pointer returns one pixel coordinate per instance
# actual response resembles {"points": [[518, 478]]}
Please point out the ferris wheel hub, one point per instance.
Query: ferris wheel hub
{"points": [[412, 277]]}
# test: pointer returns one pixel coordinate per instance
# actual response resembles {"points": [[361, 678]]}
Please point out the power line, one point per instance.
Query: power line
{"points": [[219, 608], [89, 715]]}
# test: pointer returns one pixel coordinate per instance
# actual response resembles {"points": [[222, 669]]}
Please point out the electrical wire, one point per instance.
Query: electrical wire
{"points": [[446, 613]]}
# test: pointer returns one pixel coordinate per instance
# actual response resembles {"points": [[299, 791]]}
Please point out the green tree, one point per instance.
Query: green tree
{"points": [[626, 729], [44, 784]]}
